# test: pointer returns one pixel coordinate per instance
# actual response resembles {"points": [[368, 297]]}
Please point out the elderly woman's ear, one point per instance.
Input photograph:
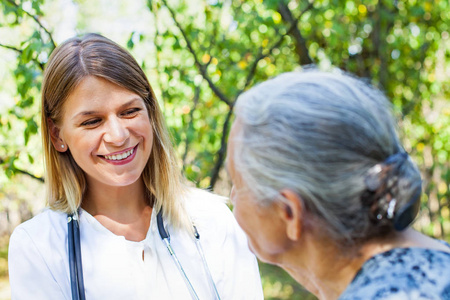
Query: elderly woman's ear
{"points": [[291, 212]]}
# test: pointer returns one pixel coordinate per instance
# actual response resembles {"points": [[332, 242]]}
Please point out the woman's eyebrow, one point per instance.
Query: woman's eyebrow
{"points": [[131, 102], [93, 112]]}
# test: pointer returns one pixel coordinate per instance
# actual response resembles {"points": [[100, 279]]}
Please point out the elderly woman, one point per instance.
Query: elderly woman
{"points": [[323, 188]]}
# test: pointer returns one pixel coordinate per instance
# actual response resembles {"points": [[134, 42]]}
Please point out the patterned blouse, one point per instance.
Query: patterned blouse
{"points": [[402, 273]]}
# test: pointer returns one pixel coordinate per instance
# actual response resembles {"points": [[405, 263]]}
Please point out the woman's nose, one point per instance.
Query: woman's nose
{"points": [[115, 132]]}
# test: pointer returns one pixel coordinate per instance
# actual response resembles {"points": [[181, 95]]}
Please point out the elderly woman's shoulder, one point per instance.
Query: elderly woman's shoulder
{"points": [[403, 273]]}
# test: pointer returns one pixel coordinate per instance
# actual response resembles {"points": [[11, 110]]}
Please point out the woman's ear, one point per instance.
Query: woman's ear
{"points": [[292, 212], [57, 142]]}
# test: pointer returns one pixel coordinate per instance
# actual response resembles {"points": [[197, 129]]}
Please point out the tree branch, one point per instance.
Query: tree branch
{"points": [[222, 151], [191, 123], [2, 160], [200, 66], [36, 20], [31, 175], [41, 65], [262, 54], [252, 71], [300, 43], [379, 41], [11, 48], [408, 107]]}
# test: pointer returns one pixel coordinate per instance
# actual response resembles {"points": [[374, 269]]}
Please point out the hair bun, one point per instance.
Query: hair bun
{"points": [[382, 188]]}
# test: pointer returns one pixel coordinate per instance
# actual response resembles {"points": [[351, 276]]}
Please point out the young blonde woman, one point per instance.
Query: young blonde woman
{"points": [[324, 189], [121, 224]]}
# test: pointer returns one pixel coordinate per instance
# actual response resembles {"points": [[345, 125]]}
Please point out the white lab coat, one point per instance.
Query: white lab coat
{"points": [[113, 267]]}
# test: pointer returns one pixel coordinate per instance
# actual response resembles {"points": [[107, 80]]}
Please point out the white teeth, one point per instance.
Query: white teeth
{"points": [[120, 156]]}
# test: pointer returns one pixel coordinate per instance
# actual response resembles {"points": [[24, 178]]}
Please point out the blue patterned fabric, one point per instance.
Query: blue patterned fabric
{"points": [[402, 273]]}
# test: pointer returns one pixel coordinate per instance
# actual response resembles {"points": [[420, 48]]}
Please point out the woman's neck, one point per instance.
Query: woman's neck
{"points": [[322, 268], [327, 270], [123, 210]]}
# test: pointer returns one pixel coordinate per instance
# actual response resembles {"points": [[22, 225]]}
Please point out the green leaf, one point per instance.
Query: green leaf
{"points": [[27, 54], [36, 5], [32, 126], [26, 135], [130, 43], [150, 5]]}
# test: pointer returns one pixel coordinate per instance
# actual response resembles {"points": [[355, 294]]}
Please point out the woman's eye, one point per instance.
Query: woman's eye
{"points": [[90, 122], [131, 112]]}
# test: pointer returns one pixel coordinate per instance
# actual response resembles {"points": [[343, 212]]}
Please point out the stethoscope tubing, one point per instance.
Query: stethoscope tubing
{"points": [[212, 285], [180, 268], [76, 230], [165, 236], [75, 262]]}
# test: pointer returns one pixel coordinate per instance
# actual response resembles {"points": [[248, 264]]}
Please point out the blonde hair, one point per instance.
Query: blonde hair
{"points": [[95, 55]]}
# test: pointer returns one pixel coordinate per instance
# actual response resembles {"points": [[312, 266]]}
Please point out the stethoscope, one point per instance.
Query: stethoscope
{"points": [[76, 269]]}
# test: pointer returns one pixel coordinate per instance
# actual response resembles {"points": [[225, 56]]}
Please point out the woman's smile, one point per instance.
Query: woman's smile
{"points": [[121, 157]]}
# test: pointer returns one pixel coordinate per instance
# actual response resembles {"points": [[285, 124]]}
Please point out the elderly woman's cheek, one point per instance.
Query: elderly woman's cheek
{"points": [[232, 196]]}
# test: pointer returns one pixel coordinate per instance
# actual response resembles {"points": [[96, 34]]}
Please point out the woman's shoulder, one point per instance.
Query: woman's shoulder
{"points": [[203, 203], [406, 273], [37, 257], [209, 211], [41, 224]]}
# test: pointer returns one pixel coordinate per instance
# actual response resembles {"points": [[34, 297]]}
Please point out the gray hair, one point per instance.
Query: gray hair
{"points": [[318, 134]]}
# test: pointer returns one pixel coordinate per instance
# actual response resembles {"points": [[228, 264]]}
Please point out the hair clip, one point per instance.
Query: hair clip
{"points": [[391, 209]]}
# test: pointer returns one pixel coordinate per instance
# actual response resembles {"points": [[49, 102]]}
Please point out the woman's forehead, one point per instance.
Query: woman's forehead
{"points": [[94, 94]]}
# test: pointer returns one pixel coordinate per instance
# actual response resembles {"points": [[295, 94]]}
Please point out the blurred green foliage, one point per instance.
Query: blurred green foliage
{"points": [[203, 54], [277, 284], [3, 258]]}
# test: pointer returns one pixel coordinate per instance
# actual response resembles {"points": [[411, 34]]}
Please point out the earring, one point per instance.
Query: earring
{"points": [[62, 146]]}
